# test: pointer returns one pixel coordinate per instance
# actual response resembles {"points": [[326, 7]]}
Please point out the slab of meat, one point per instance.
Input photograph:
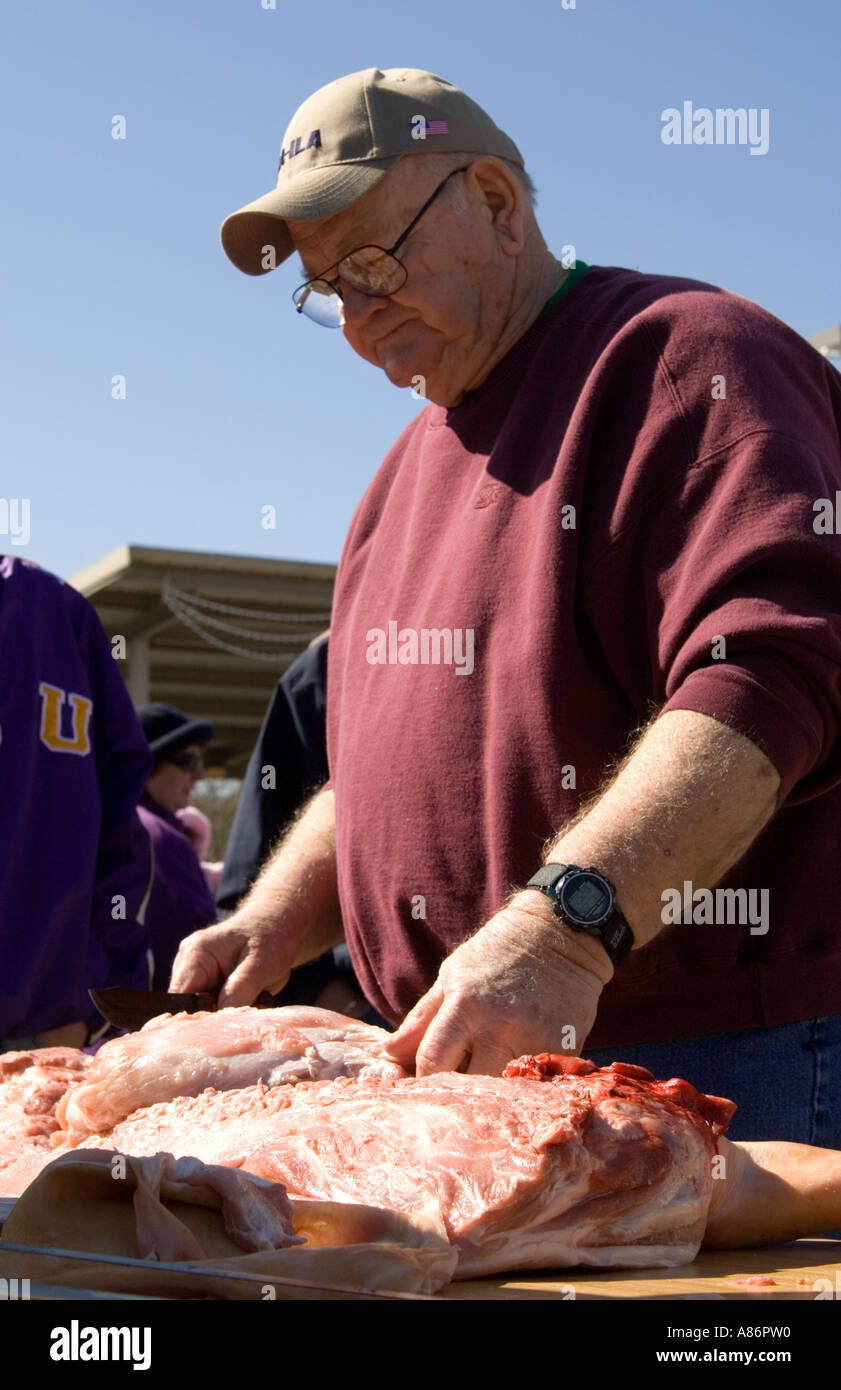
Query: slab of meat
{"points": [[31, 1086], [563, 1164], [183, 1054]]}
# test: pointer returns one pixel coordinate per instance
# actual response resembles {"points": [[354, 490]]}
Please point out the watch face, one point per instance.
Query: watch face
{"points": [[586, 898]]}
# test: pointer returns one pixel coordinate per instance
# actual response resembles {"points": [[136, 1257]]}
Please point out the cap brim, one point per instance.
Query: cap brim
{"points": [[248, 235], [196, 731]]}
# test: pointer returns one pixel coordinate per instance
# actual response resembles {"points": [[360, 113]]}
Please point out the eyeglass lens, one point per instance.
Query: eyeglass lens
{"points": [[370, 270], [319, 301]]}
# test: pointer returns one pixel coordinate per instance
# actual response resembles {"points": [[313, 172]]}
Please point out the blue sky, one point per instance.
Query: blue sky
{"points": [[112, 261]]}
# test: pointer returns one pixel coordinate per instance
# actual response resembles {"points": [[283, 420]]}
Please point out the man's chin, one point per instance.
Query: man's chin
{"points": [[410, 374], [402, 376], [404, 365], [424, 387]]}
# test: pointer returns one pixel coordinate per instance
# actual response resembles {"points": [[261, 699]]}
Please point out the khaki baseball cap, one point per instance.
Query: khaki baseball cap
{"points": [[343, 140]]}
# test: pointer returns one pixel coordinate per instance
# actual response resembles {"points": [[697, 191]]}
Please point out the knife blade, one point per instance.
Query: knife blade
{"points": [[131, 1008], [150, 1267]]}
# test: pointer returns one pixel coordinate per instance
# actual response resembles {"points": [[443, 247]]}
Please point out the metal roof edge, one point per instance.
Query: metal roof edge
{"points": [[111, 568]]}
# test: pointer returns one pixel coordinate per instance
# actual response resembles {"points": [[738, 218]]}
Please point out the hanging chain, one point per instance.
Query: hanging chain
{"points": [[183, 606]]}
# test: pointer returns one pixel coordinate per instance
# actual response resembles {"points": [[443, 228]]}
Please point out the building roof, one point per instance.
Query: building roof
{"points": [[209, 633]]}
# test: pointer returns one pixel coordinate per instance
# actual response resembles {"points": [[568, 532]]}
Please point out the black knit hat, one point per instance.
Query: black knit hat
{"points": [[168, 729]]}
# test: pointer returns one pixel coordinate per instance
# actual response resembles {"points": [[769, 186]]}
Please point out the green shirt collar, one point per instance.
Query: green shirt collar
{"points": [[580, 269]]}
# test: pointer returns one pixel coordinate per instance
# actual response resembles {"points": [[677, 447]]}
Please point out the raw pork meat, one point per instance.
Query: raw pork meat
{"points": [[183, 1054], [563, 1164], [31, 1085]]}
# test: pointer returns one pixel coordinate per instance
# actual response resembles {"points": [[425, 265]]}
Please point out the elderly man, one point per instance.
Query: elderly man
{"points": [[586, 640]]}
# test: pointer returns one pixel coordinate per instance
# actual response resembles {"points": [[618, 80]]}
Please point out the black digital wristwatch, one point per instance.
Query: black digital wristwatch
{"points": [[586, 901]]}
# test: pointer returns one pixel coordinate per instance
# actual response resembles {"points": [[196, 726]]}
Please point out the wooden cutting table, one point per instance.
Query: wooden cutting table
{"points": [[795, 1268]]}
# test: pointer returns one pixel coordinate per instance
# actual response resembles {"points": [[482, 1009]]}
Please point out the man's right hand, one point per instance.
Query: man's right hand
{"points": [[244, 955]]}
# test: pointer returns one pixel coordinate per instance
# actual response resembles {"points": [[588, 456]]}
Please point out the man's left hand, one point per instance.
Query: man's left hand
{"points": [[513, 988]]}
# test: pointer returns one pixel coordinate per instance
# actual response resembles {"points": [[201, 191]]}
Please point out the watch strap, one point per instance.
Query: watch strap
{"points": [[547, 877]]}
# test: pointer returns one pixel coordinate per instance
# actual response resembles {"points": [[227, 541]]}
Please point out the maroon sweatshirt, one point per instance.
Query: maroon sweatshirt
{"points": [[636, 478]]}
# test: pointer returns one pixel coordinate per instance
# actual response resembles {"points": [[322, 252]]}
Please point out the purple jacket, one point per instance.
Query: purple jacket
{"points": [[74, 859], [180, 901]]}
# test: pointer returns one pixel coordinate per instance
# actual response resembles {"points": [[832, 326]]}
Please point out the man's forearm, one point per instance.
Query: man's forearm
{"points": [[70, 1035], [685, 805], [299, 883]]}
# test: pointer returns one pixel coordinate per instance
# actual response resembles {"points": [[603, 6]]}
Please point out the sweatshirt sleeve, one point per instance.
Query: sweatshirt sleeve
{"points": [[711, 575], [722, 597]]}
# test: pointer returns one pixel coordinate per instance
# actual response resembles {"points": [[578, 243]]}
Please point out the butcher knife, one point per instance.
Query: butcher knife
{"points": [[131, 1008], [155, 1272]]}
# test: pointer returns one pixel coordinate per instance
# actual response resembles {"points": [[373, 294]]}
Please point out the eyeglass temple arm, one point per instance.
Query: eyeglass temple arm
{"points": [[431, 199]]}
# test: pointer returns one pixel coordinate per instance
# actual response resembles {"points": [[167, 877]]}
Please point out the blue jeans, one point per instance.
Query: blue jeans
{"points": [[785, 1080]]}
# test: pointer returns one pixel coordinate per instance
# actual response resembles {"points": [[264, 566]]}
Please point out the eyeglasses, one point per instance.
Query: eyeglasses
{"points": [[372, 270], [190, 762]]}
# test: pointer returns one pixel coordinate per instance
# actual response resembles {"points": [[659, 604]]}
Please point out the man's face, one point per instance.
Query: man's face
{"points": [[445, 321]]}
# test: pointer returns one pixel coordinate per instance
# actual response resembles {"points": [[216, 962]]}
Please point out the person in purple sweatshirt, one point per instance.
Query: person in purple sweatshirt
{"points": [[75, 863], [584, 728], [180, 900]]}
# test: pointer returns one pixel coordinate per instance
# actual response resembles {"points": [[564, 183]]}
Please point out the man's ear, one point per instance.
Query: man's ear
{"points": [[502, 194]]}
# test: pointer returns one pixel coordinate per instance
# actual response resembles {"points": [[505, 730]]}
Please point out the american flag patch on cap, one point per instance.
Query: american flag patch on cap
{"points": [[437, 128]]}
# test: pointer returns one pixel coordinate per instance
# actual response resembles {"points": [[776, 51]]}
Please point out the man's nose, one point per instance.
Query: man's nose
{"points": [[358, 308]]}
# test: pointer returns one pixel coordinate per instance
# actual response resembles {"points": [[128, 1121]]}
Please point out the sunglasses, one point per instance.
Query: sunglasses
{"points": [[190, 762]]}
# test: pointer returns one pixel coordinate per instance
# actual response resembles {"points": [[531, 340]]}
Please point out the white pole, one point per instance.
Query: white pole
{"points": [[137, 676]]}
